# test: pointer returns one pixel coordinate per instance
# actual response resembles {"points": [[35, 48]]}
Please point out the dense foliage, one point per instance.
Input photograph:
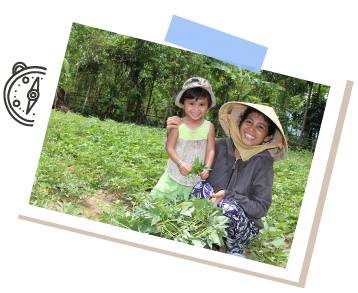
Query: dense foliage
{"points": [[196, 222], [85, 158], [108, 75]]}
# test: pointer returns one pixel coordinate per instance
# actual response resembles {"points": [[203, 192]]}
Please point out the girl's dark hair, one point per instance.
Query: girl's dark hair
{"points": [[196, 93], [271, 125]]}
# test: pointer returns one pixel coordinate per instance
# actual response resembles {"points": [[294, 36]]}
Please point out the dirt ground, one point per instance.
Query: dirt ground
{"points": [[90, 205]]}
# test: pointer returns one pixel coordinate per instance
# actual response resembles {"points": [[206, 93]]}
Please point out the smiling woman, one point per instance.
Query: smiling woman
{"points": [[255, 128], [242, 172]]}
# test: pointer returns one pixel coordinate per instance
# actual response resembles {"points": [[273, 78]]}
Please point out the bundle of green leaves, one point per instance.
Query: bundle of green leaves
{"points": [[196, 222], [197, 168]]}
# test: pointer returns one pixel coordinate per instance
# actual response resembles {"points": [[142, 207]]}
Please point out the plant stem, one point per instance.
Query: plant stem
{"points": [[201, 232]]}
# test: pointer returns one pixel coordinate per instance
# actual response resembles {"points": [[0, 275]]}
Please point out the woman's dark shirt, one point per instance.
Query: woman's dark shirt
{"points": [[249, 183]]}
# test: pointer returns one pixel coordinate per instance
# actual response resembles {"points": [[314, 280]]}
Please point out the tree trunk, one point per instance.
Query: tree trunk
{"points": [[156, 111], [313, 145], [54, 106], [80, 78], [74, 84], [167, 109], [150, 97], [285, 97], [240, 91], [318, 90], [84, 105], [137, 110], [139, 115], [217, 131], [306, 111], [109, 108], [226, 94]]}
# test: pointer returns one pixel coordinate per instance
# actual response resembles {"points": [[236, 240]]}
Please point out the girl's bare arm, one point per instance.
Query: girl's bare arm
{"points": [[172, 140], [184, 168], [210, 152]]}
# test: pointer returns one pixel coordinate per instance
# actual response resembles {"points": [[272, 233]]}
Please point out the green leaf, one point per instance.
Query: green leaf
{"points": [[188, 212], [186, 234], [198, 242], [278, 242], [117, 102], [215, 237], [155, 220], [275, 233], [269, 260], [210, 243], [163, 92], [170, 227], [66, 65], [197, 168], [266, 234]]}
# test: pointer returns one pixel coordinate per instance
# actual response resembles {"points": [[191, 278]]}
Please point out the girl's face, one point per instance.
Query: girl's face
{"points": [[196, 110], [254, 129]]}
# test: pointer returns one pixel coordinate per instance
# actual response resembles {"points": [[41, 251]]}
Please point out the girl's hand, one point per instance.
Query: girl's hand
{"points": [[184, 168], [217, 197], [173, 123], [204, 175]]}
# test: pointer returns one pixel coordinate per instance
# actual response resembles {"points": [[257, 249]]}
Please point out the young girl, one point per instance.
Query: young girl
{"points": [[194, 138]]}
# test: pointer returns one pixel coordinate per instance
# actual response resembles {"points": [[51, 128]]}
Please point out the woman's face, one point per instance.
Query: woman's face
{"points": [[254, 129]]}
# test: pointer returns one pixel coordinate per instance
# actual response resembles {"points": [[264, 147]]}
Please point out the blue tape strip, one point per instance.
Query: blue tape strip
{"points": [[216, 44]]}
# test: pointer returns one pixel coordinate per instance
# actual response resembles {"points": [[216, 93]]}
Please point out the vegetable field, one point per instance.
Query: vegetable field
{"points": [[103, 171]]}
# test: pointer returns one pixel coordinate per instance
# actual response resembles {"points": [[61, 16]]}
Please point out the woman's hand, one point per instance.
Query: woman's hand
{"points": [[204, 175], [217, 197], [173, 123], [184, 168]]}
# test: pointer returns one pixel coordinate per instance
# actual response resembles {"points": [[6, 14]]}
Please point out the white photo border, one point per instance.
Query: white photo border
{"points": [[292, 273]]}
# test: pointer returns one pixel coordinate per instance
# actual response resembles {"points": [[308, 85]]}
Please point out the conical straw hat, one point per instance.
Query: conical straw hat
{"points": [[237, 108]]}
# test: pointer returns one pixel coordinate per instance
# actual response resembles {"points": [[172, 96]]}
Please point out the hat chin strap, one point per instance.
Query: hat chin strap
{"points": [[245, 151]]}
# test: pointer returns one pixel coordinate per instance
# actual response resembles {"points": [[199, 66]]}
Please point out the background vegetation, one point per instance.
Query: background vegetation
{"points": [[107, 75]]}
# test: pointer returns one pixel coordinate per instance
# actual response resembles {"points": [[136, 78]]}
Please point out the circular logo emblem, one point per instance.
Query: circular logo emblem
{"points": [[22, 91]]}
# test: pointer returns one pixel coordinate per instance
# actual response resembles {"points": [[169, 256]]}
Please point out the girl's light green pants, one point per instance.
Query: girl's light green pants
{"points": [[167, 188]]}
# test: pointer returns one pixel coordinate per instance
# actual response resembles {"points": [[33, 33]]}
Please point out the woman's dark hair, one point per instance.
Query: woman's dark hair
{"points": [[271, 125], [196, 93]]}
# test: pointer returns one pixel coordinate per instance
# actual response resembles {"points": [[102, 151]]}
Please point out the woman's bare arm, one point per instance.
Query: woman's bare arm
{"points": [[173, 123]]}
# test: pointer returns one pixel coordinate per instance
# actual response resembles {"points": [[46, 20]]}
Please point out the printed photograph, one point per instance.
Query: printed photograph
{"points": [[179, 145]]}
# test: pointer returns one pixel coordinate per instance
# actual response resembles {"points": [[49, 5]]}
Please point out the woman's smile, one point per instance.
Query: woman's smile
{"points": [[249, 136], [254, 129]]}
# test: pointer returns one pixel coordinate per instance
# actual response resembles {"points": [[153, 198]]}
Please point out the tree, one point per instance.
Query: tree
{"points": [[310, 83]]}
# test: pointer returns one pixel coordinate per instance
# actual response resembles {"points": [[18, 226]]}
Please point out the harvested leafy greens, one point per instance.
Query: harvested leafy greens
{"points": [[197, 168], [196, 222]]}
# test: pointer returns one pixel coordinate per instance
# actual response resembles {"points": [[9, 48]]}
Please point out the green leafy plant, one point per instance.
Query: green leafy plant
{"points": [[71, 208], [196, 222], [197, 168], [81, 156]]}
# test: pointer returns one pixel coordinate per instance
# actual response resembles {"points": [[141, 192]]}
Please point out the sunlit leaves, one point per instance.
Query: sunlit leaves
{"points": [[196, 222], [81, 156]]}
